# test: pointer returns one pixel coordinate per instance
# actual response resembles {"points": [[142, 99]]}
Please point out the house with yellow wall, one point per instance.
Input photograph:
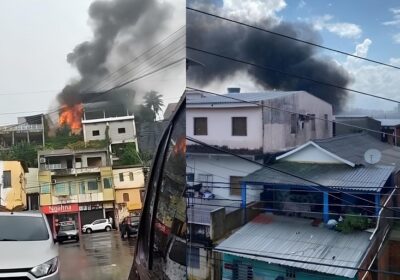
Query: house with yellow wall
{"points": [[13, 185], [76, 185], [129, 190]]}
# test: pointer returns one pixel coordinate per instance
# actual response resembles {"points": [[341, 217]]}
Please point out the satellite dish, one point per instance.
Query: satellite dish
{"points": [[372, 156]]}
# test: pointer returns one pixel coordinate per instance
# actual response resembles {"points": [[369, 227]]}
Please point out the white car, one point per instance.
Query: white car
{"points": [[29, 249], [102, 224]]}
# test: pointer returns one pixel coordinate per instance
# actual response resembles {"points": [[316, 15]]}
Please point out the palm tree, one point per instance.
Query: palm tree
{"points": [[153, 101]]}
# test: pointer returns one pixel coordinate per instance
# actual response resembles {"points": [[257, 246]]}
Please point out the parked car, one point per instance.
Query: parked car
{"points": [[129, 226], [29, 249], [98, 225], [68, 232]]}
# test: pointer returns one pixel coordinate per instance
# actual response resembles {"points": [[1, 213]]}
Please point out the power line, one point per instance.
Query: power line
{"points": [[292, 112], [267, 68], [118, 86], [288, 173], [231, 251], [141, 55], [292, 38], [297, 211]]}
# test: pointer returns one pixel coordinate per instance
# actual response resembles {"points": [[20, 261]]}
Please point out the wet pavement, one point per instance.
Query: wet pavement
{"points": [[99, 256]]}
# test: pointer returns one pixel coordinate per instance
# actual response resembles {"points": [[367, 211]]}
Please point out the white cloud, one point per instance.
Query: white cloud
{"points": [[396, 38], [372, 78], [302, 3], [395, 21], [342, 29], [253, 10], [362, 48]]}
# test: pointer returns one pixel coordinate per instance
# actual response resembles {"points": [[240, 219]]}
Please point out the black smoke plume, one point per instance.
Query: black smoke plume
{"points": [[233, 40], [118, 26]]}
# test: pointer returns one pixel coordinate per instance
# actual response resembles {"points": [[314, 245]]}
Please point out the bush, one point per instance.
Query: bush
{"points": [[353, 223]]}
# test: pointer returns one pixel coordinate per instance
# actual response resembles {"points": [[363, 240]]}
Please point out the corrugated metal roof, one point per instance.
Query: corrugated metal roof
{"points": [[204, 98], [370, 178], [296, 239], [352, 147]]}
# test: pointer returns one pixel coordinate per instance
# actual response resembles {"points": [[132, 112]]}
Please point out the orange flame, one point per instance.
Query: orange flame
{"points": [[71, 116]]}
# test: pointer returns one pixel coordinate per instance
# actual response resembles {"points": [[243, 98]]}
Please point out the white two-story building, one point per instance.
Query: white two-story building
{"points": [[256, 126]]}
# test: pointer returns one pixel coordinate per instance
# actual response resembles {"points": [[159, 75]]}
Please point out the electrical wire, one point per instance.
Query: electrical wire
{"points": [[267, 68], [288, 173], [292, 112], [291, 38]]}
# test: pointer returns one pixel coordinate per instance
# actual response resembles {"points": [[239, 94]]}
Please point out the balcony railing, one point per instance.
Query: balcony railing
{"points": [[22, 127], [61, 169]]}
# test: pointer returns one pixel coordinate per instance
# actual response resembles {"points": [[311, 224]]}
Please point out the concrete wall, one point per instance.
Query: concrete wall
{"points": [[277, 123], [128, 136], [138, 178], [263, 271], [32, 181], [219, 126], [221, 167], [364, 122], [14, 196]]}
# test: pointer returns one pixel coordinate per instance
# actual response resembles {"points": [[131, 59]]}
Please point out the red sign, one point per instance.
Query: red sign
{"points": [[62, 208]]}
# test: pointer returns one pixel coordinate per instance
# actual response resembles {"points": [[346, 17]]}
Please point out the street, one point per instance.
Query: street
{"points": [[100, 255]]}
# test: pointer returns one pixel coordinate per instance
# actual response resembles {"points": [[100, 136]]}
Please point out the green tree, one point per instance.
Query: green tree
{"points": [[23, 152], [153, 101], [129, 155]]}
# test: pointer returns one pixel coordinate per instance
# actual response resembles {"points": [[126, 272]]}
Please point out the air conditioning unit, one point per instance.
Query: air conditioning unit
{"points": [[42, 160], [53, 181]]}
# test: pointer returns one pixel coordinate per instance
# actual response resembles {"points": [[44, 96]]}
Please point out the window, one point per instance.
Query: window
{"points": [[312, 117], [130, 176], [96, 132], [326, 121], [107, 183], [93, 186], [234, 183], [239, 126], [45, 188], [82, 188], [73, 190], [61, 189], [94, 161], [293, 123], [290, 274], [121, 130], [200, 126], [23, 228], [6, 179], [121, 177], [190, 177], [125, 197]]}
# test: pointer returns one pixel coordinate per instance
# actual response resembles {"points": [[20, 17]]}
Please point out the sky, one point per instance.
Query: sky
{"points": [[37, 36], [366, 28]]}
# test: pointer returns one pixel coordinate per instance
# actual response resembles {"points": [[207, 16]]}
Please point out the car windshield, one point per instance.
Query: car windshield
{"points": [[67, 227], [23, 228]]}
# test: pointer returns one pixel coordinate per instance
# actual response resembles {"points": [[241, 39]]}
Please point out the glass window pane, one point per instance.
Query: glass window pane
{"points": [[92, 186]]}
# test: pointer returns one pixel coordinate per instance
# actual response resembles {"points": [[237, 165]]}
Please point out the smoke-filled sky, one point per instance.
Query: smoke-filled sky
{"points": [[370, 32], [48, 44]]}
